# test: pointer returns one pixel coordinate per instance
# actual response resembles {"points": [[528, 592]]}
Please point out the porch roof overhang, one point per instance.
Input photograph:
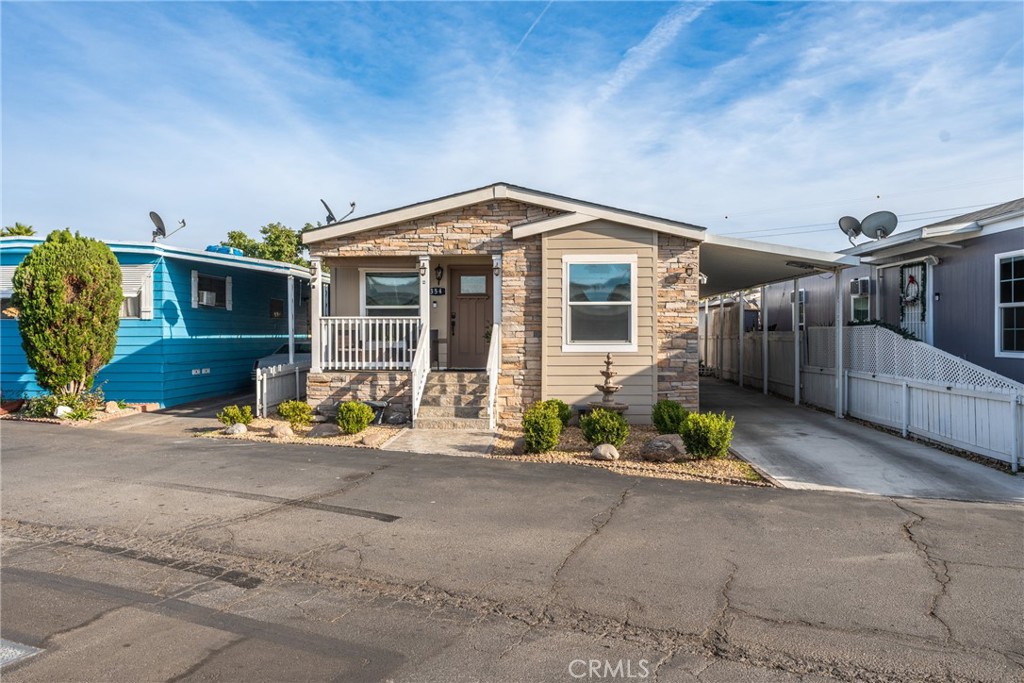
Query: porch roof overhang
{"points": [[732, 264]]}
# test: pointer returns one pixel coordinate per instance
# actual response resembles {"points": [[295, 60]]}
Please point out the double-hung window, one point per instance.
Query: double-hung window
{"points": [[137, 287], [600, 297], [391, 293], [211, 291], [1010, 304]]}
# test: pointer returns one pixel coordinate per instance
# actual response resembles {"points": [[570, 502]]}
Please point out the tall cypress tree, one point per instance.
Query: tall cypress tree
{"points": [[68, 295]]}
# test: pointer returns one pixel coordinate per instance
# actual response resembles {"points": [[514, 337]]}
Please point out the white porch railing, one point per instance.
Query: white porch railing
{"points": [[279, 383], [369, 343], [493, 370], [420, 370]]}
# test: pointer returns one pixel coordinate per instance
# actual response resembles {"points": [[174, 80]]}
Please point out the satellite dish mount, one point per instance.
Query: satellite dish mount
{"points": [[160, 232], [876, 226], [330, 214]]}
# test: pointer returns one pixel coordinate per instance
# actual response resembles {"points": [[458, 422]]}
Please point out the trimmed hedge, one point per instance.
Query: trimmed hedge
{"points": [[298, 413], [561, 409], [707, 435], [354, 417], [541, 427], [604, 426], [668, 416], [234, 415]]}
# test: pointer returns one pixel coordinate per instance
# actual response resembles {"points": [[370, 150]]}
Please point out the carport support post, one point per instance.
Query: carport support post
{"points": [[721, 336], [796, 341], [316, 302], [707, 331], [764, 340], [739, 306], [291, 320], [839, 342]]}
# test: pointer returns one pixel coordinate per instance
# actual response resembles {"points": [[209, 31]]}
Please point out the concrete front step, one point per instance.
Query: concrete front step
{"points": [[455, 390], [478, 401], [457, 377], [453, 411], [460, 423]]}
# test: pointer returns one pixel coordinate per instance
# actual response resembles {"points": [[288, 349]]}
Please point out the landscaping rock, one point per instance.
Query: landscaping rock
{"points": [[396, 415], [60, 412], [664, 448], [281, 432], [374, 439], [111, 407], [237, 428], [324, 430], [519, 447], [605, 451]]}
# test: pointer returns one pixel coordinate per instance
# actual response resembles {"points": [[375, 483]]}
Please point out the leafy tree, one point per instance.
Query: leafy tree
{"points": [[68, 294], [278, 243], [17, 230]]}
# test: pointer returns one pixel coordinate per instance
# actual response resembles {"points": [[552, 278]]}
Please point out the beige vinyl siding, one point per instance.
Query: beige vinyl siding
{"points": [[571, 376], [345, 285]]}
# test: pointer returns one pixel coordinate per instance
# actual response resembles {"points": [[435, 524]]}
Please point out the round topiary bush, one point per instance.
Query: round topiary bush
{"points": [[234, 415], [707, 435], [354, 417], [668, 416], [541, 428], [298, 413], [604, 426], [561, 409]]}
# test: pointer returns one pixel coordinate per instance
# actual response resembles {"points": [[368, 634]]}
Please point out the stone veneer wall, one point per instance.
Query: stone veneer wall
{"points": [[325, 390], [677, 309], [484, 228]]}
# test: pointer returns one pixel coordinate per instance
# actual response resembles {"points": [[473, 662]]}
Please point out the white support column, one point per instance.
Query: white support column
{"points": [[316, 304], [721, 336], [707, 331], [496, 289], [290, 312], [839, 342], [424, 273], [741, 334], [796, 341], [764, 340]]}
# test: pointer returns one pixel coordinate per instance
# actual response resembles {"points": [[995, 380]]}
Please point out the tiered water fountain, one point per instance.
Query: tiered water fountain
{"points": [[609, 389]]}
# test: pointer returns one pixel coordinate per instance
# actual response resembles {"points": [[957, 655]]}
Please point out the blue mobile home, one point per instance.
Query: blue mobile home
{"points": [[192, 322]]}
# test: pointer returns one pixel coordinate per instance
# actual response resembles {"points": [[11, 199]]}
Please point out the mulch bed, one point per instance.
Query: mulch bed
{"points": [[373, 436], [573, 449], [97, 417]]}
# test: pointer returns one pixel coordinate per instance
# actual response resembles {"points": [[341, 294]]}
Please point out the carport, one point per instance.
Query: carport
{"points": [[730, 267]]}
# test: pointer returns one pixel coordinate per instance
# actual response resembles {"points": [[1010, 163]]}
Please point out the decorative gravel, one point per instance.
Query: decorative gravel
{"points": [[97, 417], [573, 449], [259, 430]]}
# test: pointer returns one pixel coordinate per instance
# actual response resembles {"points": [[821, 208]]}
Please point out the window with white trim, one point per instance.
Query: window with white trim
{"points": [[860, 305], [6, 292], [211, 291], [391, 293], [600, 297], [137, 286], [1010, 304]]}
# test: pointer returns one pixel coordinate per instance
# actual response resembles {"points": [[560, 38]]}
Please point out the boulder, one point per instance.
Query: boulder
{"points": [[519, 447], [237, 428], [664, 448], [60, 412], [281, 431], [375, 439], [111, 407], [323, 430], [605, 451]]}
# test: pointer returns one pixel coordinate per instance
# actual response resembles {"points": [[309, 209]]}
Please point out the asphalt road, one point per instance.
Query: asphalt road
{"points": [[130, 556]]}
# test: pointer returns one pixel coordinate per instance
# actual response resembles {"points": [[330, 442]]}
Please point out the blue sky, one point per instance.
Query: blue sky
{"points": [[760, 120]]}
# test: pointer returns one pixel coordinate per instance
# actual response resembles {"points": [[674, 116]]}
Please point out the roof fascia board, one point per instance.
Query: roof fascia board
{"points": [[955, 229], [566, 220], [212, 259], [828, 260]]}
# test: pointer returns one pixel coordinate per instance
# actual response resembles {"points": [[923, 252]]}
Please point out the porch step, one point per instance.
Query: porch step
{"points": [[455, 389], [457, 377], [453, 411], [455, 399], [451, 423]]}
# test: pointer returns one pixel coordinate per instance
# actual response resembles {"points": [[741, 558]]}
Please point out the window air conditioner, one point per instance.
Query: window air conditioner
{"points": [[207, 298], [860, 286], [803, 296]]}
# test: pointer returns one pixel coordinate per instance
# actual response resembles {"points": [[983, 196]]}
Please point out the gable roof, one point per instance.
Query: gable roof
{"points": [[576, 213]]}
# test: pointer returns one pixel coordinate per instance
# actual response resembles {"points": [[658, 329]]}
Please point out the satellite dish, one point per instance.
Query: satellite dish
{"points": [[879, 225], [160, 231], [851, 226], [330, 214]]}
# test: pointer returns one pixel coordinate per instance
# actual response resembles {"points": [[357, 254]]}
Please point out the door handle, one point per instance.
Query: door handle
{"points": [[453, 323]]}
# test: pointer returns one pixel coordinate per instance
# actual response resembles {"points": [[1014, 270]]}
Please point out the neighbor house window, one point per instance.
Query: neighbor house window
{"points": [[600, 303], [137, 287], [861, 306], [1010, 304], [6, 292], [210, 291], [391, 293], [277, 308]]}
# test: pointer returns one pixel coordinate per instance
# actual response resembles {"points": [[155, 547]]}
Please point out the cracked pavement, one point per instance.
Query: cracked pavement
{"points": [[156, 557]]}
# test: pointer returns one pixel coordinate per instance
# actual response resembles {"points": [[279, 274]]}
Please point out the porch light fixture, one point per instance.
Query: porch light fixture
{"points": [[497, 270], [689, 270], [423, 269], [438, 274]]}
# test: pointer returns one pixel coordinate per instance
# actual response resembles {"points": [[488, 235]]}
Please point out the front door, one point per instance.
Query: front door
{"points": [[471, 312], [914, 300]]}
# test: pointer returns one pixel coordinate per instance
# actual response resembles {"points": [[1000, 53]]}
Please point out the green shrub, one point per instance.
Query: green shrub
{"points": [[298, 413], [707, 435], [541, 427], [668, 416], [604, 426], [42, 406], [354, 417], [67, 292], [235, 415], [81, 412], [561, 409]]}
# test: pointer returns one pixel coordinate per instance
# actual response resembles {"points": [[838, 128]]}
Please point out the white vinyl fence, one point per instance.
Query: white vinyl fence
{"points": [[888, 380], [279, 383]]}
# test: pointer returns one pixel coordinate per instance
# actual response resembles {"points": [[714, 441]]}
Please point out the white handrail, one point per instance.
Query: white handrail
{"points": [[493, 370], [367, 342], [420, 369]]}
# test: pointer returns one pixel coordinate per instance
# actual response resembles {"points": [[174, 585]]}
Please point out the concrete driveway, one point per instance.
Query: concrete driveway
{"points": [[802, 448]]}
